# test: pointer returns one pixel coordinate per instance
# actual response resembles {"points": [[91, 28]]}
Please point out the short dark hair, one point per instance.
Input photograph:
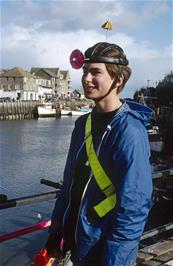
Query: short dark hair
{"points": [[117, 71]]}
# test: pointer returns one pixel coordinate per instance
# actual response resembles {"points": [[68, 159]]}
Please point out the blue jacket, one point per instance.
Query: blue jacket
{"points": [[124, 154]]}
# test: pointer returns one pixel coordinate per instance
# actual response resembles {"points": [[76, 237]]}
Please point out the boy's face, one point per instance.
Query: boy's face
{"points": [[96, 80]]}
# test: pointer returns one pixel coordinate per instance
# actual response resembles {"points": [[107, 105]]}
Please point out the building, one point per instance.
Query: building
{"points": [[38, 84], [18, 84], [63, 83], [52, 81]]}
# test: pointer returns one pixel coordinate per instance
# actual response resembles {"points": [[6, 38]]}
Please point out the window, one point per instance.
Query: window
{"points": [[17, 87]]}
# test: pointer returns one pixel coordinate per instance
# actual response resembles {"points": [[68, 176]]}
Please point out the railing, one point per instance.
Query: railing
{"points": [[26, 230], [34, 198], [162, 173], [54, 194], [28, 200], [5, 203]]}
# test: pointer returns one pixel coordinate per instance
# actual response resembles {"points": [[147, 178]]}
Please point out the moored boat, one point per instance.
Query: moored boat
{"points": [[66, 112], [78, 112], [155, 139], [83, 110], [46, 110]]}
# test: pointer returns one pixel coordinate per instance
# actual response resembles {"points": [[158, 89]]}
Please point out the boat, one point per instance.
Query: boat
{"points": [[46, 110], [83, 110], [66, 112], [77, 112], [155, 139]]}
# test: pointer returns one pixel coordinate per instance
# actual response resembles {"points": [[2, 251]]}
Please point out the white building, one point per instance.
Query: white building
{"points": [[18, 84]]}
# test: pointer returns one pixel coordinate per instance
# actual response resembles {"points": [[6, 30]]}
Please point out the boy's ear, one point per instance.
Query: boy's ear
{"points": [[119, 84], [120, 81]]}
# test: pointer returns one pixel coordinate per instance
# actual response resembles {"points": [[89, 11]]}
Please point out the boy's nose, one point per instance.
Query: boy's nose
{"points": [[88, 77]]}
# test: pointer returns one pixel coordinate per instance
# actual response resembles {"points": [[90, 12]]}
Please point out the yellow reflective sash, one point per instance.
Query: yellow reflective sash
{"points": [[100, 176]]}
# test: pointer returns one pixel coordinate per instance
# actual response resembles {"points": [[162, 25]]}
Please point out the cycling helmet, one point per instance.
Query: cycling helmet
{"points": [[96, 54]]}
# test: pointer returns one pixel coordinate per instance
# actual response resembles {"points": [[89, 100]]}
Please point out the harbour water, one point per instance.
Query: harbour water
{"points": [[29, 150]]}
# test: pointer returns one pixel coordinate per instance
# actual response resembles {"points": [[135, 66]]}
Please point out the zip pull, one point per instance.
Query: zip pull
{"points": [[108, 128]]}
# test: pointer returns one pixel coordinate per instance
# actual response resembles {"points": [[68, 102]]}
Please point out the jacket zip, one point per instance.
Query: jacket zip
{"points": [[69, 202], [86, 186]]}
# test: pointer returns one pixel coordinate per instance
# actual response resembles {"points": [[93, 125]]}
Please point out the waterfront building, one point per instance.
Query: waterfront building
{"points": [[63, 83], [54, 82], [38, 84], [18, 84]]}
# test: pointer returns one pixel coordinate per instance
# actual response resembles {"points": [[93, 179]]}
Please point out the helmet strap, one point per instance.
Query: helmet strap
{"points": [[112, 87]]}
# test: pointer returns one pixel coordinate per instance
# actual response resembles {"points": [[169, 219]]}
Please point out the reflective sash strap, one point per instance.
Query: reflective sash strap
{"points": [[106, 205], [100, 176]]}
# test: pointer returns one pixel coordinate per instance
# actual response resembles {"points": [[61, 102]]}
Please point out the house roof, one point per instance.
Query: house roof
{"points": [[49, 72], [52, 72], [16, 72], [3, 70], [64, 73]]}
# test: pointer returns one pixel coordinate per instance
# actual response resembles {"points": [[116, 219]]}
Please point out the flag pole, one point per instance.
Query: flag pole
{"points": [[107, 26]]}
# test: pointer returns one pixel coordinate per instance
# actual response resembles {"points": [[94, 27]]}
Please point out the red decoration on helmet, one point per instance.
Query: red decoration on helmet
{"points": [[76, 59]]}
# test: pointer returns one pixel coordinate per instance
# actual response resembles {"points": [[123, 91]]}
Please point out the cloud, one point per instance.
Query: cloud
{"points": [[156, 8], [67, 15]]}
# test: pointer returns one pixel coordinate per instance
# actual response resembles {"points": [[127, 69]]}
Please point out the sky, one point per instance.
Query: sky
{"points": [[43, 33]]}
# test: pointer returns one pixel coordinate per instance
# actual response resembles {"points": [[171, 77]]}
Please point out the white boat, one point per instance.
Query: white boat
{"points": [[155, 139], [66, 112], [46, 110], [82, 111], [79, 112]]}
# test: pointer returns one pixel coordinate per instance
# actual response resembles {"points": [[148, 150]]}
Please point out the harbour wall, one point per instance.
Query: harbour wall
{"points": [[18, 110]]}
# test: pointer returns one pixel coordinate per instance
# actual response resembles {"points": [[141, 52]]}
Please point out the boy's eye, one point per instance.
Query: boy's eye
{"points": [[95, 72]]}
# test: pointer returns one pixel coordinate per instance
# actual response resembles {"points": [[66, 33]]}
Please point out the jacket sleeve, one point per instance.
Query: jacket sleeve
{"points": [[134, 198]]}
